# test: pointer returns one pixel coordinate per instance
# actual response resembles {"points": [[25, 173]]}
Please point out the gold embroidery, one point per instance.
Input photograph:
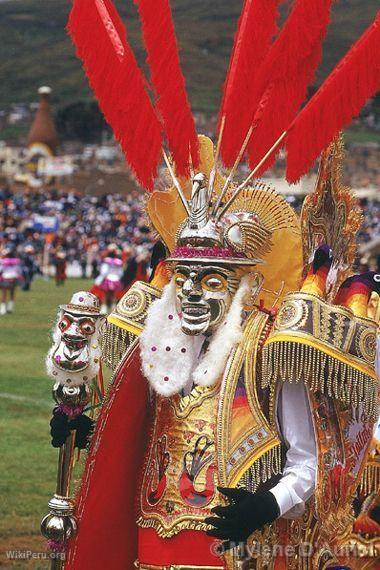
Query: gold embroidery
{"points": [[126, 322], [252, 451], [330, 215], [179, 483], [291, 314], [333, 352], [366, 345]]}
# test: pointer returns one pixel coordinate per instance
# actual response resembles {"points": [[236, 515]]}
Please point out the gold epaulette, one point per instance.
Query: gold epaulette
{"points": [[127, 321], [327, 347]]}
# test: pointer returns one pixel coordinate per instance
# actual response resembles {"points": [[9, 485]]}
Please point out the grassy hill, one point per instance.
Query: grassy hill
{"points": [[35, 49]]}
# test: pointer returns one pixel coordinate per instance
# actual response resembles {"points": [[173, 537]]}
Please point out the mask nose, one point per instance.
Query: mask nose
{"points": [[192, 290], [73, 331]]}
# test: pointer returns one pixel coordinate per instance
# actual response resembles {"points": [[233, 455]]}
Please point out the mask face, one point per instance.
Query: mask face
{"points": [[73, 351], [204, 295]]}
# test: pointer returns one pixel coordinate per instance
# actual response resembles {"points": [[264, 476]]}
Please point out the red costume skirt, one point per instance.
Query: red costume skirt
{"points": [[189, 548]]}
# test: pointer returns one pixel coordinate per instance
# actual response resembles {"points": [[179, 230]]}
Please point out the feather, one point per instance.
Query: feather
{"points": [[256, 28], [354, 80], [285, 75], [119, 86], [168, 81]]}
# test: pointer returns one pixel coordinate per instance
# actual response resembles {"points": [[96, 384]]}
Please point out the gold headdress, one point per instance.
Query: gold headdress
{"points": [[257, 228]]}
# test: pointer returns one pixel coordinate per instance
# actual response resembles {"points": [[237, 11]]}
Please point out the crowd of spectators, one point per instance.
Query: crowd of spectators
{"points": [[53, 225]]}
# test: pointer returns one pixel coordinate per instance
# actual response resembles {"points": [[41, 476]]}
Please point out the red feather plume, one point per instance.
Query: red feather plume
{"points": [[168, 82], [119, 86], [354, 80], [256, 28], [286, 73]]}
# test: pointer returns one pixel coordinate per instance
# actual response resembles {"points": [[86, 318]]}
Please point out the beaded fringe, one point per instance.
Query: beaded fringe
{"points": [[295, 362], [370, 481], [114, 342], [263, 469]]}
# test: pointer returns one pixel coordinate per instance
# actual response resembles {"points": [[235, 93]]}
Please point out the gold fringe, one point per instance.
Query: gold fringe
{"points": [[188, 524], [370, 481], [114, 342], [296, 362], [263, 469]]}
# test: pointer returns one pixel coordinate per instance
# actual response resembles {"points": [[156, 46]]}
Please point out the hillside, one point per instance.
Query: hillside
{"points": [[35, 49]]}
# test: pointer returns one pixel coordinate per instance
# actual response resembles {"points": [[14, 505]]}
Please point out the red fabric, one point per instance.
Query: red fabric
{"points": [[169, 83], [256, 28], [354, 80], [99, 36], [98, 292], [189, 547], [105, 509], [285, 75]]}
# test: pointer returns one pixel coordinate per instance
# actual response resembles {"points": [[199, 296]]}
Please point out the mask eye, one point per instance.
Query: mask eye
{"points": [[64, 324], [87, 327], [214, 283], [179, 280]]}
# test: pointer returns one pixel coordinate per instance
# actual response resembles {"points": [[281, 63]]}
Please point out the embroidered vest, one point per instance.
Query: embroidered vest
{"points": [[213, 436]]}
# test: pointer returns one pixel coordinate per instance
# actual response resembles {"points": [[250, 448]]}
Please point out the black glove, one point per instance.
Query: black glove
{"points": [[248, 512], [61, 426]]}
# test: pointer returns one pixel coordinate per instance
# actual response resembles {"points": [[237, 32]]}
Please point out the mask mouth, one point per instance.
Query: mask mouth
{"points": [[195, 318], [195, 310], [74, 343], [73, 359]]}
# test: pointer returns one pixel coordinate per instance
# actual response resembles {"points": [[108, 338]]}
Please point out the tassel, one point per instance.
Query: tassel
{"points": [[168, 82], [262, 470], [118, 84], [115, 342], [285, 75], [256, 28], [289, 361], [354, 80]]}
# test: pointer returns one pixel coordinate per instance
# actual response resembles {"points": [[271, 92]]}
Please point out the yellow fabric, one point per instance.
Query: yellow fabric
{"points": [[135, 329], [358, 304], [283, 267]]}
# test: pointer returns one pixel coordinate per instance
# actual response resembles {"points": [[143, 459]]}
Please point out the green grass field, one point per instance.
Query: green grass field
{"points": [[28, 462]]}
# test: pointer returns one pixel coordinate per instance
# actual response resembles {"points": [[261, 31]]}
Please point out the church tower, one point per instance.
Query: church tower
{"points": [[43, 135]]}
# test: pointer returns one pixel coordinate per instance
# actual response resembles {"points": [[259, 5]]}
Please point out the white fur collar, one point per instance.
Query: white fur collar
{"points": [[168, 355]]}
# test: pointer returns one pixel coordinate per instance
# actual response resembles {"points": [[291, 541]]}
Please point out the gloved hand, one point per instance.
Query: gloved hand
{"points": [[61, 425], [248, 512]]}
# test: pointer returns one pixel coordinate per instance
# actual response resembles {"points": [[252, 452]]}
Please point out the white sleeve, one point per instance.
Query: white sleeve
{"points": [[298, 481]]}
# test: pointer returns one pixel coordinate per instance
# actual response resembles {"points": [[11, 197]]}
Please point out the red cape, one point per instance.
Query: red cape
{"points": [[105, 506]]}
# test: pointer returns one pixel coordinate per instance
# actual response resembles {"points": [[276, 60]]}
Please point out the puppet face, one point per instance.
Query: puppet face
{"points": [[75, 332], [204, 295]]}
